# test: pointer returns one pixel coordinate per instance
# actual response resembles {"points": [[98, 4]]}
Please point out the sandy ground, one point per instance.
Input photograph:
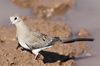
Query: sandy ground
{"points": [[58, 55], [83, 15]]}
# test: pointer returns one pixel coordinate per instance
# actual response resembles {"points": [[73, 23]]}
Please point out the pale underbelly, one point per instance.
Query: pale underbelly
{"points": [[23, 45]]}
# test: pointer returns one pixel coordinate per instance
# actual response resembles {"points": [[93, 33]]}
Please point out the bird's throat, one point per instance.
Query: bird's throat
{"points": [[22, 28]]}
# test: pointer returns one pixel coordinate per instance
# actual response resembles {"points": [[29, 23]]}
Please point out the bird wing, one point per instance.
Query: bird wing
{"points": [[38, 40]]}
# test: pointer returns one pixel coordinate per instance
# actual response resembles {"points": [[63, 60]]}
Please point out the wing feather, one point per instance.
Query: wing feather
{"points": [[38, 40]]}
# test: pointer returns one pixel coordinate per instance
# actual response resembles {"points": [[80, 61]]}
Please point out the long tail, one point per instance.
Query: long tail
{"points": [[72, 40], [78, 39]]}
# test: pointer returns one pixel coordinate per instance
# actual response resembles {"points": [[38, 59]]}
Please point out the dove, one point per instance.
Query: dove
{"points": [[34, 40]]}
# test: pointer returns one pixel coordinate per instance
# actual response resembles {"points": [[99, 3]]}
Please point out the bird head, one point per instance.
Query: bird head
{"points": [[15, 19]]}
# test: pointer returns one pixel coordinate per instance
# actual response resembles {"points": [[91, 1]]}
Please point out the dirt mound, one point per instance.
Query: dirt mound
{"points": [[59, 54], [45, 8]]}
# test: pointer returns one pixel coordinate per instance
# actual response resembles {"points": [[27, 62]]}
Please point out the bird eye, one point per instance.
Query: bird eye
{"points": [[15, 18]]}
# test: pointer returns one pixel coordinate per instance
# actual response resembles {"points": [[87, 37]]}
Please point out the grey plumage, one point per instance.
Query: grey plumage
{"points": [[34, 40], [31, 40], [39, 40]]}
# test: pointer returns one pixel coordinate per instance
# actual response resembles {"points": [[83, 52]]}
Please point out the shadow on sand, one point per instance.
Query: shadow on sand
{"points": [[51, 57]]}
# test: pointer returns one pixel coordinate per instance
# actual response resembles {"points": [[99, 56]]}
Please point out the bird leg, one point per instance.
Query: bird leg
{"points": [[36, 57], [18, 46], [39, 57], [36, 53], [23, 49]]}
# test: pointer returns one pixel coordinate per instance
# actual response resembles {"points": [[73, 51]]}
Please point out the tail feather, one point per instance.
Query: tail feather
{"points": [[72, 40], [78, 39]]}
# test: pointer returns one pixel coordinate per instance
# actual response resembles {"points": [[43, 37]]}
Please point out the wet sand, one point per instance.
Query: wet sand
{"points": [[84, 14]]}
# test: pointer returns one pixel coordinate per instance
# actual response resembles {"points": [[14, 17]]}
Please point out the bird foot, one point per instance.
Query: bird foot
{"points": [[23, 49], [18, 46], [38, 57]]}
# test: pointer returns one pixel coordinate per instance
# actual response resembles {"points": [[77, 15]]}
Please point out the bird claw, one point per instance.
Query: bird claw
{"points": [[23, 49], [38, 57], [18, 46]]}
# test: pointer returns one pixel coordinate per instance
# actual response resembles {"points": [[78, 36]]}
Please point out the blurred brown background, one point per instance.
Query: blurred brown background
{"points": [[85, 13]]}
